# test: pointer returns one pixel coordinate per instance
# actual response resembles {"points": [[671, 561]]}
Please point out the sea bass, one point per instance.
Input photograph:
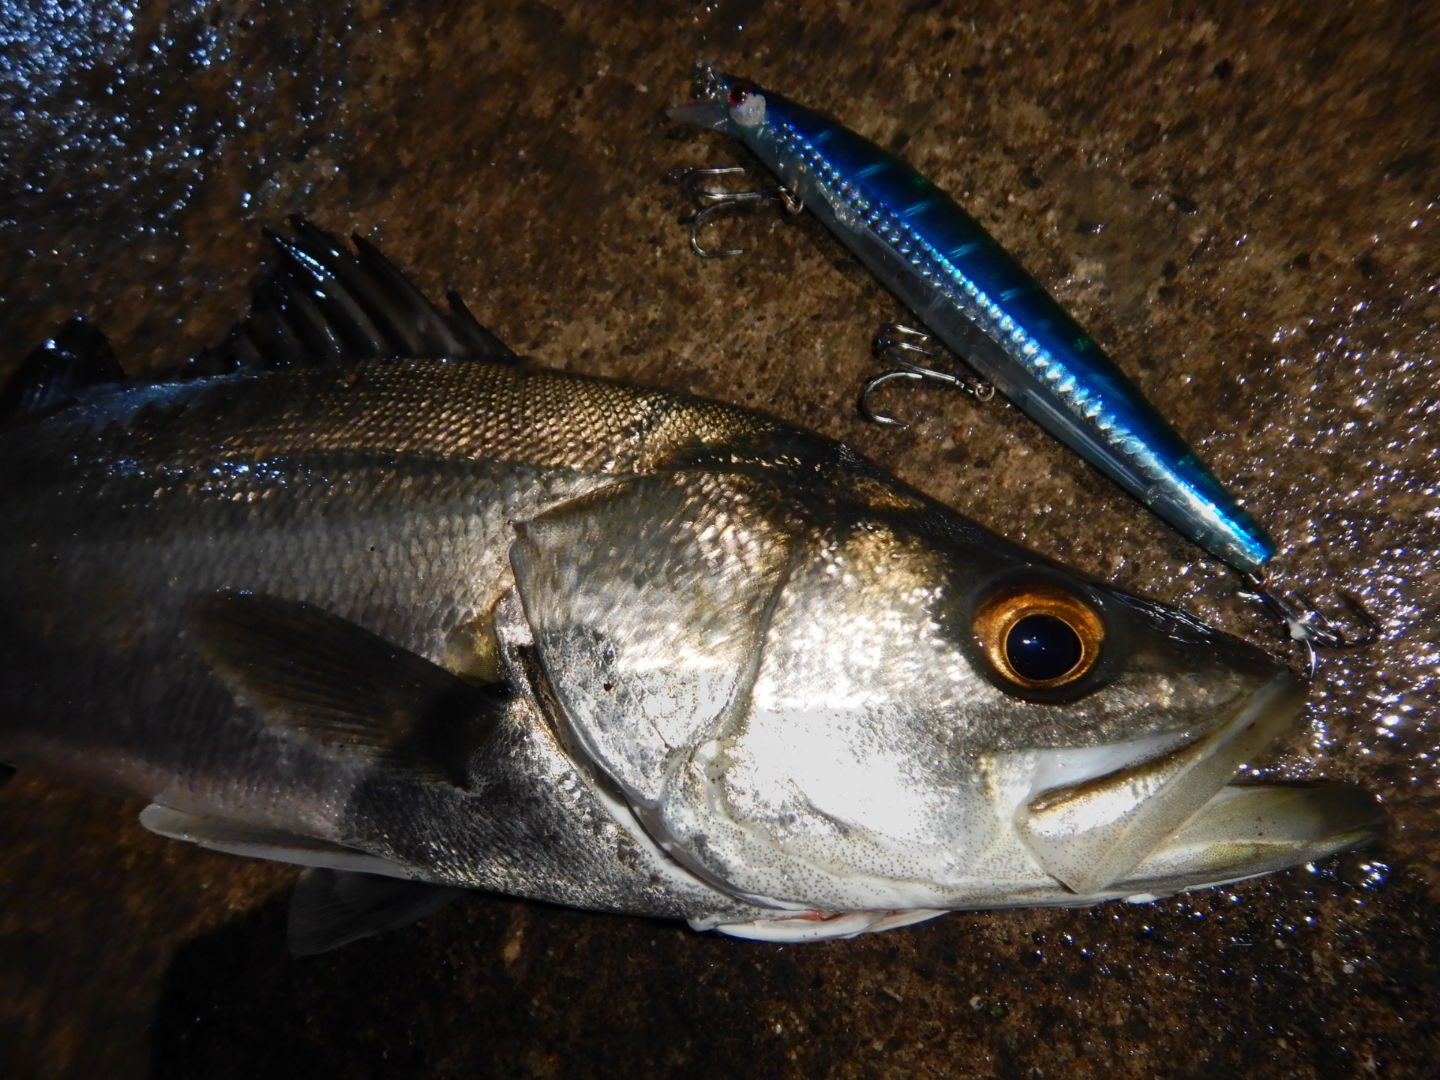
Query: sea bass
{"points": [[359, 590]]}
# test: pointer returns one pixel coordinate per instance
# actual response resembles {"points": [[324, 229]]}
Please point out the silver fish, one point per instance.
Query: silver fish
{"points": [[424, 624]]}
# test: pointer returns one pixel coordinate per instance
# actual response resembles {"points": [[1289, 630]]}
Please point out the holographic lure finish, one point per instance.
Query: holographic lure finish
{"points": [[984, 306]]}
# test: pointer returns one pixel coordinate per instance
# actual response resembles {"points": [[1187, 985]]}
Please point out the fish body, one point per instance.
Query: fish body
{"points": [[984, 306], [425, 623]]}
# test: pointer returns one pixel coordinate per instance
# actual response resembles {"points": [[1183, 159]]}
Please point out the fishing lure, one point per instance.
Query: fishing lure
{"points": [[986, 308]]}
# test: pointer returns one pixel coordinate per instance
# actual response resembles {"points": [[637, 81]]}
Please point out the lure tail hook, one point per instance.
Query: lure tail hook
{"points": [[708, 202], [900, 345], [1309, 625]]}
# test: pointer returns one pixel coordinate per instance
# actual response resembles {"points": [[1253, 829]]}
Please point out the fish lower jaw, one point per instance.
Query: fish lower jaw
{"points": [[1245, 831], [1248, 830], [1098, 827]]}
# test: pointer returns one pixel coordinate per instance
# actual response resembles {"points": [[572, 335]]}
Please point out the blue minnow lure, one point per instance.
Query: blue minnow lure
{"points": [[982, 304]]}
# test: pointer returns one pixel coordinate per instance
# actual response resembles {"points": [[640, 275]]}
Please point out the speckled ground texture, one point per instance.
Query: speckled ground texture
{"points": [[1242, 206]]}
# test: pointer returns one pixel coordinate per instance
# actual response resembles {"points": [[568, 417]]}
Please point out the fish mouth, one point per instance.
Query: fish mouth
{"points": [[1150, 815], [1252, 829]]}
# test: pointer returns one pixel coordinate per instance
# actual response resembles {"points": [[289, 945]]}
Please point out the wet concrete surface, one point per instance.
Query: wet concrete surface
{"points": [[1242, 206]]}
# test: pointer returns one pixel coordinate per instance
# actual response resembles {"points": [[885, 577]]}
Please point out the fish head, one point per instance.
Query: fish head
{"points": [[850, 702]]}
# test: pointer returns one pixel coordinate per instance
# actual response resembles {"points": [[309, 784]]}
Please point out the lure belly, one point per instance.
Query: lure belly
{"points": [[985, 307]]}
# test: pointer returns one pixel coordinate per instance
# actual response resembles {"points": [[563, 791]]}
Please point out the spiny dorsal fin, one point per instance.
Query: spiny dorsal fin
{"points": [[321, 304], [321, 678], [77, 357]]}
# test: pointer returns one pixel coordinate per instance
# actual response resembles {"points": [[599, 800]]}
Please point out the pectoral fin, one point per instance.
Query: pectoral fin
{"points": [[323, 679]]}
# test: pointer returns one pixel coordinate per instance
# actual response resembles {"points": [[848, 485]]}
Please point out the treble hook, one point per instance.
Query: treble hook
{"points": [[1305, 621], [898, 344], [693, 177]]}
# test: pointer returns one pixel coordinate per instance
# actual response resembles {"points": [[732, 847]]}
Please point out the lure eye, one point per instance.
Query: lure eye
{"points": [[745, 104], [1039, 636]]}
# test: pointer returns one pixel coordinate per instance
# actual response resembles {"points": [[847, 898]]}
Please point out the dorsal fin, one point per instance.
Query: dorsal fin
{"points": [[321, 304], [78, 356]]}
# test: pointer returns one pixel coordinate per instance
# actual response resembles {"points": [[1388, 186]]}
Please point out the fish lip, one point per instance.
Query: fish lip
{"points": [[1094, 830]]}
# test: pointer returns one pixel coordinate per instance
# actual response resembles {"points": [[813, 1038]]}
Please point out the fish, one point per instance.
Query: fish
{"points": [[987, 309], [360, 590]]}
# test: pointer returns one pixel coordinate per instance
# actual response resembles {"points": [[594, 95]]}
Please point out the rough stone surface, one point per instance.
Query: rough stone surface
{"points": [[1243, 206]]}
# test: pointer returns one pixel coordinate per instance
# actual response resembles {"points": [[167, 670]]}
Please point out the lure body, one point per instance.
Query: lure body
{"points": [[985, 307]]}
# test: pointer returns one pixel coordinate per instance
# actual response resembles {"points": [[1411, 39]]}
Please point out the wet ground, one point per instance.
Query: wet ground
{"points": [[1242, 206]]}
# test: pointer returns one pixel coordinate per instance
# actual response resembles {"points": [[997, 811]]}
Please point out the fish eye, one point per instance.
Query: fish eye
{"points": [[1042, 648], [737, 95], [1039, 636]]}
